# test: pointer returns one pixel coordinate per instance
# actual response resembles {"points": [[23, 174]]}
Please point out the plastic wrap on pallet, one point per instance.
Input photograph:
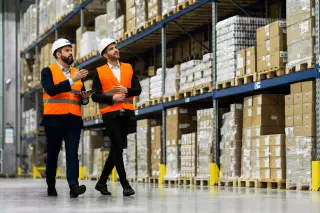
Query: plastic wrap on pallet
{"points": [[88, 43], [143, 149], [141, 13], [145, 93], [301, 52], [119, 27], [173, 162], [29, 25], [204, 139], [103, 26], [300, 152], [155, 149], [156, 84], [131, 163], [172, 80], [154, 9], [299, 10], [188, 155], [168, 6], [234, 34], [230, 145], [187, 74]]}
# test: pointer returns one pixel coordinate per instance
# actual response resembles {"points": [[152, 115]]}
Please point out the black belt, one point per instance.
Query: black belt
{"points": [[122, 112]]}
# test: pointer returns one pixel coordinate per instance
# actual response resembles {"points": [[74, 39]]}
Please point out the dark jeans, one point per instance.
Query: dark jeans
{"points": [[117, 130], [54, 138]]}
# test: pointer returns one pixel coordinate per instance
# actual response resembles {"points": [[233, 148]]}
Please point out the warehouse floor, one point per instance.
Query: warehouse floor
{"points": [[23, 195]]}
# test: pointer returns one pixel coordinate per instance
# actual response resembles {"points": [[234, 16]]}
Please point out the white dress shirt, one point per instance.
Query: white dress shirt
{"points": [[116, 71]]}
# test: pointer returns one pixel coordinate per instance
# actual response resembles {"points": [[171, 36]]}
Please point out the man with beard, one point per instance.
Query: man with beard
{"points": [[114, 87], [63, 94]]}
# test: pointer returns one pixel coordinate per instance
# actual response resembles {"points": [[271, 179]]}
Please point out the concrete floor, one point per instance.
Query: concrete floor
{"points": [[24, 196]]}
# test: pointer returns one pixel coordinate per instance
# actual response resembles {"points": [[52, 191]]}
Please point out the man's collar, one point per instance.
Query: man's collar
{"points": [[62, 68], [111, 66]]}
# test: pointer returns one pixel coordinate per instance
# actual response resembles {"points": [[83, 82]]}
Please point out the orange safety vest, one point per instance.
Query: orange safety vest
{"points": [[66, 102], [108, 81]]}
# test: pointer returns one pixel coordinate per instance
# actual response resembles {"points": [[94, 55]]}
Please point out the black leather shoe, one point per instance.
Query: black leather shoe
{"points": [[127, 191], [52, 192], [102, 188], [76, 190]]}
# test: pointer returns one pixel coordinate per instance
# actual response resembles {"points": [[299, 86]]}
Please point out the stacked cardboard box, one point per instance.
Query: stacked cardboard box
{"points": [[29, 26], [300, 132], [172, 80], [154, 9], [91, 110], [203, 71], [168, 6], [46, 56], [246, 61], [179, 121], [204, 139], [230, 144], [271, 46], [131, 15], [27, 75], [189, 155], [141, 13], [233, 34], [119, 27], [44, 14], [78, 40], [301, 32], [187, 75], [29, 121], [155, 150], [88, 43], [143, 147], [131, 162], [156, 84], [262, 115], [145, 93]]}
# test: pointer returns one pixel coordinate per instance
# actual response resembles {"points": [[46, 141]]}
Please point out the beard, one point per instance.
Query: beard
{"points": [[68, 60]]}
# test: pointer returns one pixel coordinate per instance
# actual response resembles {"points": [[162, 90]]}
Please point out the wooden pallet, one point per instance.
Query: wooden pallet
{"points": [[272, 73], [203, 88], [132, 180], [300, 67], [89, 118], [186, 93], [170, 98], [155, 101], [228, 182], [144, 105], [300, 186], [249, 183], [143, 180], [201, 182], [225, 84], [272, 184], [153, 21], [175, 182], [187, 181], [183, 5], [154, 180], [140, 29], [129, 34], [245, 79], [168, 14]]}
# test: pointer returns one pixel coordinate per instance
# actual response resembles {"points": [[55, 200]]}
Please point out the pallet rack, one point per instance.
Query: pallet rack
{"points": [[172, 27]]}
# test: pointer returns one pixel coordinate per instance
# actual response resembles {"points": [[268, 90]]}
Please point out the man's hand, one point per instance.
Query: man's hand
{"points": [[80, 74], [118, 98], [85, 94], [121, 89]]}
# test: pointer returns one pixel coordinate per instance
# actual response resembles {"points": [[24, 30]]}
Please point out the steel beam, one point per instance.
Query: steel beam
{"points": [[164, 65], [317, 14]]}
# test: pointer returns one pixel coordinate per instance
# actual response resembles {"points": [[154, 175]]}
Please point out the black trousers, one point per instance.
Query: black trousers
{"points": [[54, 138], [117, 130]]}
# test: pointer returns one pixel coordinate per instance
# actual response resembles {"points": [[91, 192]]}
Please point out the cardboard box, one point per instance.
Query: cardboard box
{"points": [[264, 162], [241, 62], [308, 97], [298, 120], [278, 44], [298, 131], [251, 52], [277, 59], [295, 88], [264, 153], [277, 151], [289, 121], [309, 119], [278, 28], [289, 100], [309, 131], [297, 99], [277, 162], [299, 11], [261, 50], [298, 109], [309, 108], [247, 117], [301, 31], [289, 110], [261, 64], [265, 173], [151, 71], [263, 130], [268, 99], [248, 101], [251, 61], [272, 140], [263, 33], [308, 86], [268, 115], [278, 173]]}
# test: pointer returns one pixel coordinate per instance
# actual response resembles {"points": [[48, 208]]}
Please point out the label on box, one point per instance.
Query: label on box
{"points": [[304, 27], [248, 53], [278, 153], [248, 70], [259, 99], [267, 140], [274, 117], [248, 62], [249, 112], [268, 45], [258, 110], [169, 112], [278, 142], [257, 131], [278, 163], [248, 143], [249, 132], [267, 57]]}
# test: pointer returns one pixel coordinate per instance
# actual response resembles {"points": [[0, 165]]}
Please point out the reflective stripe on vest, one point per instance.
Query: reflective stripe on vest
{"points": [[125, 101], [61, 101], [76, 92]]}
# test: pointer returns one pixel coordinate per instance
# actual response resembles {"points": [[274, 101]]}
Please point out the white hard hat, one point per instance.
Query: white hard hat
{"points": [[60, 43], [102, 44]]}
